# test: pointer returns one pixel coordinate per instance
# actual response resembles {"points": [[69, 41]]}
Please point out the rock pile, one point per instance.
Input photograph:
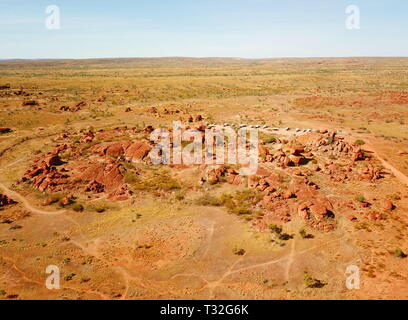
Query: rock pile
{"points": [[329, 141], [104, 176], [44, 175], [5, 201], [131, 151]]}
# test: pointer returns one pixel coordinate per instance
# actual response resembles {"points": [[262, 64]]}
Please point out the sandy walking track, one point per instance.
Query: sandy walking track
{"points": [[398, 174], [15, 195]]}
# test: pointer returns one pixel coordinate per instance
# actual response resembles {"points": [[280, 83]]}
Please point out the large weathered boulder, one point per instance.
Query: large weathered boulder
{"points": [[212, 174], [5, 201], [387, 205], [137, 151], [107, 174], [369, 172], [131, 151], [44, 175]]}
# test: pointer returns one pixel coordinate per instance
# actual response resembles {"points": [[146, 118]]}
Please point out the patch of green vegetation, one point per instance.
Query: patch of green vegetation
{"points": [[304, 235], [359, 142], [399, 253], [270, 140], [277, 231], [131, 177], [77, 207], [241, 202], [157, 180], [100, 209], [238, 251], [311, 282], [208, 200], [180, 195], [69, 277], [360, 198]]}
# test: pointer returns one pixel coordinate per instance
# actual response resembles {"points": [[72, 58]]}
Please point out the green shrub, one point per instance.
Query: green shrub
{"points": [[285, 236], [399, 253], [180, 196], [311, 282], [100, 209], [77, 207], [159, 180], [275, 228], [69, 277], [208, 200], [241, 202], [359, 142], [360, 198], [131, 177], [304, 234], [237, 251], [270, 140]]}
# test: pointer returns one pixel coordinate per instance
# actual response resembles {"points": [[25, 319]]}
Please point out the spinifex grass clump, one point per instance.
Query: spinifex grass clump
{"points": [[241, 202]]}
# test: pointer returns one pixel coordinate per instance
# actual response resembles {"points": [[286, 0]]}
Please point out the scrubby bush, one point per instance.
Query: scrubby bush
{"points": [[275, 228], [208, 200], [180, 196], [241, 202], [238, 251], [399, 253], [69, 277], [100, 209], [158, 180], [285, 236], [360, 198], [304, 234], [77, 207], [270, 140], [359, 142], [311, 282]]}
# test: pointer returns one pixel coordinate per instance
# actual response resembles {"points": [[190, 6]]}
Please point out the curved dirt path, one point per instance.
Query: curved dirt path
{"points": [[15, 195], [398, 174]]}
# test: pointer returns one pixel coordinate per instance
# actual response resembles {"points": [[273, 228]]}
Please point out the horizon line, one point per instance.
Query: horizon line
{"points": [[192, 57]]}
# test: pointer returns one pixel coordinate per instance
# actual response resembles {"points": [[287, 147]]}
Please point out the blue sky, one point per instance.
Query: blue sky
{"points": [[202, 28]]}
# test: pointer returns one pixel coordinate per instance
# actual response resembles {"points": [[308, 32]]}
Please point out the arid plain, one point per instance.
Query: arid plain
{"points": [[78, 190]]}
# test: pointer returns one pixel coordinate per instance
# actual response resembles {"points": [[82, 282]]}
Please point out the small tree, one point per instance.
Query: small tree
{"points": [[312, 282]]}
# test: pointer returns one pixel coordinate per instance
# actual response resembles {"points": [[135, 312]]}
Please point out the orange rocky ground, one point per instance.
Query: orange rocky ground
{"points": [[78, 189]]}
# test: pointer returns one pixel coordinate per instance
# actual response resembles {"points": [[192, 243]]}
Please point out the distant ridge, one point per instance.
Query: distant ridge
{"points": [[145, 62]]}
